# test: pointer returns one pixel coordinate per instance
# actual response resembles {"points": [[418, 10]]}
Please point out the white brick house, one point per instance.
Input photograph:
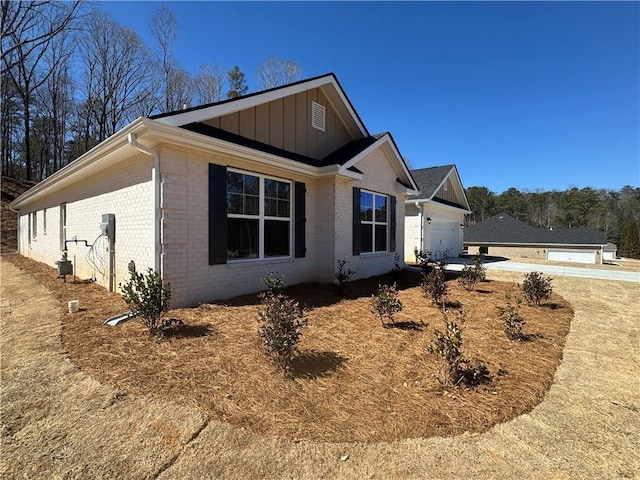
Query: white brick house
{"points": [[287, 180]]}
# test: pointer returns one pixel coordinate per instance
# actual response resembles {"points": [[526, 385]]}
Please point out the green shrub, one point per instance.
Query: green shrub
{"points": [[468, 277], [385, 303], [273, 282], [447, 345], [282, 321], [396, 271], [434, 287], [342, 274], [513, 321], [147, 296], [536, 288], [456, 369], [479, 268]]}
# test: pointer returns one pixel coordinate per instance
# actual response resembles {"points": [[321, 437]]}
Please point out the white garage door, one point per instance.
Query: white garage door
{"points": [[444, 239], [577, 256]]}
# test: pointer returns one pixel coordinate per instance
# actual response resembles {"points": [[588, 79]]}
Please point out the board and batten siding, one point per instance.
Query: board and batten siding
{"points": [[447, 192], [286, 123]]}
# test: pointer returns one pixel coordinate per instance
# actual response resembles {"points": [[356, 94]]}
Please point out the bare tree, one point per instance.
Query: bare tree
{"points": [[208, 84], [181, 89], [274, 72], [10, 124], [28, 29], [30, 26], [116, 65], [55, 97], [164, 27]]}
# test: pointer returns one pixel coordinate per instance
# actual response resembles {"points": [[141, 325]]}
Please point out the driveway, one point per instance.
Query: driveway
{"points": [[57, 422], [456, 264]]}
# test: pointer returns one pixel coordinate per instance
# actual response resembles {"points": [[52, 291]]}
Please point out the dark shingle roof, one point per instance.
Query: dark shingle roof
{"points": [[428, 180], [338, 157], [505, 229]]}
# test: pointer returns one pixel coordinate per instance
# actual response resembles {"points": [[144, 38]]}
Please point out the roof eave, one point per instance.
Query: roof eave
{"points": [[98, 154]]}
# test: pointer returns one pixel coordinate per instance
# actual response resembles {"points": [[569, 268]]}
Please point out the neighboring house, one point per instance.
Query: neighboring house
{"points": [[610, 251], [287, 180], [505, 236], [434, 219]]}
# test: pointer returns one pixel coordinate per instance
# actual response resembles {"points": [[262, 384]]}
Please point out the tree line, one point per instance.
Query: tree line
{"points": [[615, 212], [72, 76]]}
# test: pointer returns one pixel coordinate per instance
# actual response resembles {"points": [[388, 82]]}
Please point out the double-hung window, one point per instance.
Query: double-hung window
{"points": [[374, 222], [258, 216]]}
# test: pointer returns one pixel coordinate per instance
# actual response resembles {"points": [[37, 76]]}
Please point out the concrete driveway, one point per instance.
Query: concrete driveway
{"points": [[456, 264]]}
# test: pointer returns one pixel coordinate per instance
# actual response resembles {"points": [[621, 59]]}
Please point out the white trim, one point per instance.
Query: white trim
{"points": [[436, 204], [318, 116], [261, 217], [254, 100], [385, 139], [373, 222]]}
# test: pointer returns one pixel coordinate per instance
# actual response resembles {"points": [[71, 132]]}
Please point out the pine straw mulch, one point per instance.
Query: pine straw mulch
{"points": [[353, 379]]}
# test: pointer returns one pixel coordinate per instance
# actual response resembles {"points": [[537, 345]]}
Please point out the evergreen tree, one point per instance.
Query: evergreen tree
{"points": [[237, 83], [630, 246]]}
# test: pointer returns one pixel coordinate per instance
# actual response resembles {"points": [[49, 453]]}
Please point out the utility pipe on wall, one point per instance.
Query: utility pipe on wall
{"points": [[420, 221], [155, 180]]}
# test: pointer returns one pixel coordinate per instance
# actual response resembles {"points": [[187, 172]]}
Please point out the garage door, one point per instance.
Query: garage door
{"points": [[444, 239], [577, 256]]}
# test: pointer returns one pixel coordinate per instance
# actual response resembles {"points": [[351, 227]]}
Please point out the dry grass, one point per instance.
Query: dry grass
{"points": [[353, 380]]}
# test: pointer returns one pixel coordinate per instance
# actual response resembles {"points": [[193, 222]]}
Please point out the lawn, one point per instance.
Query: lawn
{"points": [[353, 379]]}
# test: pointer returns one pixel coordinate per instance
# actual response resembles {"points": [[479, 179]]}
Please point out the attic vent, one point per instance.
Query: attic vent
{"points": [[317, 116]]}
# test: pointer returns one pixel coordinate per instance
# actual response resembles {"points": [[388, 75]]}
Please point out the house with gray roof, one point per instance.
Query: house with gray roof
{"points": [[505, 236], [434, 218], [286, 180]]}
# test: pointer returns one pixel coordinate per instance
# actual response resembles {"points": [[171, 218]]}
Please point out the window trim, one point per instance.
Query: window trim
{"points": [[63, 225], [373, 222], [34, 226], [261, 217]]}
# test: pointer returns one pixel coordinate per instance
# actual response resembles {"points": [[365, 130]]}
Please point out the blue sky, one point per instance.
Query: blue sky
{"points": [[532, 95]]}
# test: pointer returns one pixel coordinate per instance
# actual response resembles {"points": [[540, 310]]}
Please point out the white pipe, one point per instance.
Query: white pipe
{"points": [[421, 222], [155, 180]]}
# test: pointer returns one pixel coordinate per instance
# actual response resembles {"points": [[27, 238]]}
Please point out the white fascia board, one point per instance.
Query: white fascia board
{"points": [[427, 201], [459, 182], [384, 140], [215, 111], [186, 138], [537, 245], [440, 185], [98, 156]]}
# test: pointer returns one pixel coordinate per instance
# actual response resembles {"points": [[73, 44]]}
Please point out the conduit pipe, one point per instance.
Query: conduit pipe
{"points": [[421, 222], [155, 180]]}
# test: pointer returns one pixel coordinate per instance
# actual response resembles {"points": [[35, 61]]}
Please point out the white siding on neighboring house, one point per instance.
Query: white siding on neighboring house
{"points": [[576, 256]]}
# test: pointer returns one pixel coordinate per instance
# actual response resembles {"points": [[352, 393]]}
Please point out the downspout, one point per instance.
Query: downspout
{"points": [[155, 180], [421, 222]]}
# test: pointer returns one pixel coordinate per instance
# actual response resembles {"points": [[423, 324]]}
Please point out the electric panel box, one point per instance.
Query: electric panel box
{"points": [[108, 225]]}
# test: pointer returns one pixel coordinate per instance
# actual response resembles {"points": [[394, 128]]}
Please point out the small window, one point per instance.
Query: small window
{"points": [[318, 115], [34, 226], [373, 219], [44, 222], [63, 225]]}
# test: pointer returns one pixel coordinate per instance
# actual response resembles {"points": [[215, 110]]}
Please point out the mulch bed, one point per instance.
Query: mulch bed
{"points": [[353, 380]]}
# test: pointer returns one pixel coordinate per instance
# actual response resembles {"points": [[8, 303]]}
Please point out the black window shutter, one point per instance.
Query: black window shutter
{"points": [[217, 214], [356, 221], [300, 220], [392, 224]]}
